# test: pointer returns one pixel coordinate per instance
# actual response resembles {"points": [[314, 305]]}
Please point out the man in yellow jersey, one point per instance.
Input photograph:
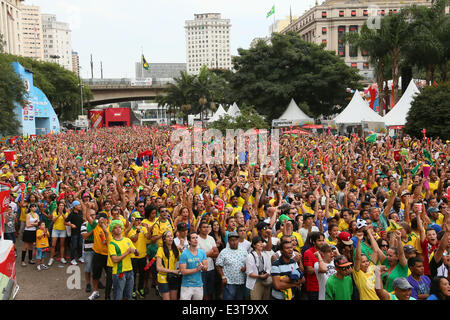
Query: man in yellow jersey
{"points": [[100, 259], [120, 250], [234, 205], [161, 225], [138, 234]]}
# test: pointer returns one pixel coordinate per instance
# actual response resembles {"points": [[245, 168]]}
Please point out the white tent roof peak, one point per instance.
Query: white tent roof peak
{"points": [[293, 112], [234, 111], [397, 116], [357, 111], [219, 113]]}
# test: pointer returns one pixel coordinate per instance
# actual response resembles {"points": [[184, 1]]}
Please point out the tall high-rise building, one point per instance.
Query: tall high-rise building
{"points": [[76, 63], [57, 41], [328, 22], [11, 26], [33, 46], [207, 42]]}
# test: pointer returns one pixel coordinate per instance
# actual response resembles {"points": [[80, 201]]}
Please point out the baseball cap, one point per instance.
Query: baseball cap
{"points": [[436, 227], [283, 217], [360, 223], [182, 226], [76, 203], [308, 215], [405, 192], [345, 238], [86, 195], [432, 209], [408, 249], [102, 214], [233, 234], [342, 261], [261, 225], [137, 215], [402, 284]]}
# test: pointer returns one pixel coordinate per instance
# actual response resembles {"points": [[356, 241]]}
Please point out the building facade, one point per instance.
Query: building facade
{"points": [[160, 70], [328, 22], [76, 63], [207, 42], [57, 41], [33, 46], [11, 26]]}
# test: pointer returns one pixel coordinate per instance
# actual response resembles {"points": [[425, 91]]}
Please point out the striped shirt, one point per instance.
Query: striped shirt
{"points": [[89, 242], [281, 268]]}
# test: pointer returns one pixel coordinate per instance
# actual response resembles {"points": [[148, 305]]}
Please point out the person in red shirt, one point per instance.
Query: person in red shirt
{"points": [[316, 239], [429, 242]]}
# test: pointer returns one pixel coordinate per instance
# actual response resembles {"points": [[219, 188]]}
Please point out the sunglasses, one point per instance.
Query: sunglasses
{"points": [[384, 245], [164, 211], [345, 268]]}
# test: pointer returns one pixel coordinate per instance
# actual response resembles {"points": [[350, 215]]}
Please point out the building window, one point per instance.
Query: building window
{"points": [[324, 41], [382, 12], [365, 65], [341, 13], [354, 65], [324, 30], [341, 44], [353, 13], [324, 14], [353, 50]]}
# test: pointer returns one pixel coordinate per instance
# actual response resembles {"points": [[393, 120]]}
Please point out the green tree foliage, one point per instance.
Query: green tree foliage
{"points": [[430, 110], [12, 92], [191, 94], [60, 85], [269, 75], [248, 119]]}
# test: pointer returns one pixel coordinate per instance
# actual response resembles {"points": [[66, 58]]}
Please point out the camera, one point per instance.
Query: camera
{"points": [[260, 273]]}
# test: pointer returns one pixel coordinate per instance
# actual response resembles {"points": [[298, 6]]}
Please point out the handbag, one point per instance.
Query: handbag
{"points": [[266, 282]]}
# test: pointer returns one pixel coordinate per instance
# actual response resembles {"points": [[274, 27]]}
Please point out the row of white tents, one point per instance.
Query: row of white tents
{"points": [[356, 112]]}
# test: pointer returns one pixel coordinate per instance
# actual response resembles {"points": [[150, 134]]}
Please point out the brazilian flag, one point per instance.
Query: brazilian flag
{"points": [[372, 138], [271, 12], [144, 63]]}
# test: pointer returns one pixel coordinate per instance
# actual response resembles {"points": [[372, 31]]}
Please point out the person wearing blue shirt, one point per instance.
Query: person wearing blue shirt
{"points": [[192, 262]]}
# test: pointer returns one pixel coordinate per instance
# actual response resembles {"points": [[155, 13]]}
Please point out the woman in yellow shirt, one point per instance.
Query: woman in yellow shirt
{"points": [[167, 259], [59, 231]]}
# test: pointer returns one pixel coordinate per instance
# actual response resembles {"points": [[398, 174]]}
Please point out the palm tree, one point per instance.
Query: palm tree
{"points": [[372, 45]]}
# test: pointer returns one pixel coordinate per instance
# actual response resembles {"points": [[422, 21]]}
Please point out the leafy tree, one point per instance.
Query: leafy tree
{"points": [[60, 85], [248, 119], [192, 94], [12, 92], [430, 110], [269, 75]]}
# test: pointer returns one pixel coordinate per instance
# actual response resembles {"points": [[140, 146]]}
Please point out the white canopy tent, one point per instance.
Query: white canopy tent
{"points": [[234, 111], [293, 115], [219, 113], [397, 116], [356, 112]]}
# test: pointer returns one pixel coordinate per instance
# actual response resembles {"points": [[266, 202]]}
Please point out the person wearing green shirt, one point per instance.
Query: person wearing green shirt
{"points": [[340, 285], [398, 265], [401, 287]]}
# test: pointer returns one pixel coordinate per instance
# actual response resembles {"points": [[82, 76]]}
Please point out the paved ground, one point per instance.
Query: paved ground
{"points": [[51, 284]]}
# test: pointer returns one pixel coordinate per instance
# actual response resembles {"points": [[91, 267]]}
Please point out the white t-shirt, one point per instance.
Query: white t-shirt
{"points": [[304, 232], [323, 277], [245, 245], [185, 244], [206, 245]]}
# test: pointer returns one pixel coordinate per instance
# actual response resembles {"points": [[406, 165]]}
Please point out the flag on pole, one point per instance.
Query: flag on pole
{"points": [[144, 63], [428, 158], [271, 12]]}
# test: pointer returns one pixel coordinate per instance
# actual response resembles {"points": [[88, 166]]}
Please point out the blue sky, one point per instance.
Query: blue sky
{"points": [[114, 31]]}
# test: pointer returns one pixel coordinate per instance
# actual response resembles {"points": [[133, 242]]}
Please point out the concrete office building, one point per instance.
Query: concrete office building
{"points": [[76, 63], [159, 70], [32, 32], [207, 42], [327, 22], [57, 41], [11, 26]]}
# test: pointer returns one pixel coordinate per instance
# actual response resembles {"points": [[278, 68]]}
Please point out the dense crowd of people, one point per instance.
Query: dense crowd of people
{"points": [[343, 218]]}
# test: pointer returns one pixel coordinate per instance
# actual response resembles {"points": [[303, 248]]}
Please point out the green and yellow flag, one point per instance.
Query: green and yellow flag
{"points": [[144, 63], [372, 138], [271, 12]]}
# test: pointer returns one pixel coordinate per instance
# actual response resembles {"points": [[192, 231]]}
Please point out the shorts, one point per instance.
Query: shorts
{"points": [[166, 287], [29, 236], [208, 279], [88, 261], [99, 262], [191, 293], [59, 233], [40, 253]]}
